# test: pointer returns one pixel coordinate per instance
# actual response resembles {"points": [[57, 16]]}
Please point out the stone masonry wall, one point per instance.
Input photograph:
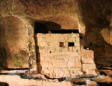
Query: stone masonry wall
{"points": [[56, 61], [87, 59]]}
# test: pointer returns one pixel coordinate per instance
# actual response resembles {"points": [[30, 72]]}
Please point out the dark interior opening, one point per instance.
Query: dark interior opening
{"points": [[64, 31], [45, 26], [61, 44], [51, 27], [71, 44]]}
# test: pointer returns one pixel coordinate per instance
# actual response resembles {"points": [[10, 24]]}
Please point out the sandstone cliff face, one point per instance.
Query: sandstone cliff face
{"points": [[13, 42]]}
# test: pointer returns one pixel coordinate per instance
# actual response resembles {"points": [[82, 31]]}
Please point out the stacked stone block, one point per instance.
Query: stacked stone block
{"points": [[88, 65]]}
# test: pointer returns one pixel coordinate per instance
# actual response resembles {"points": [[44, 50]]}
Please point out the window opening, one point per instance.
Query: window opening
{"points": [[71, 44], [61, 44]]}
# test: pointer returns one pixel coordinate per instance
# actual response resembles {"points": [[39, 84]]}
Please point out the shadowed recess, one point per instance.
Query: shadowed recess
{"points": [[96, 15]]}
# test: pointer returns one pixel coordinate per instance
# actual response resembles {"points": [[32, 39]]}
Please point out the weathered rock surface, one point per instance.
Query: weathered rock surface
{"points": [[17, 81], [13, 43], [92, 83]]}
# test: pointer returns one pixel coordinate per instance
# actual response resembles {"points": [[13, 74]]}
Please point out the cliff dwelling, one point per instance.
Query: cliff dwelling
{"points": [[55, 42], [60, 53]]}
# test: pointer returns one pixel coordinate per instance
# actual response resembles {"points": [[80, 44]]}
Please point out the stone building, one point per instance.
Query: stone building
{"points": [[61, 56]]}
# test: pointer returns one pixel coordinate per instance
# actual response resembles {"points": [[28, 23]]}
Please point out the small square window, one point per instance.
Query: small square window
{"points": [[61, 44], [71, 44]]}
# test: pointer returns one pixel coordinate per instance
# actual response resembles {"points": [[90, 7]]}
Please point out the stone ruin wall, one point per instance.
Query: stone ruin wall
{"points": [[87, 61], [57, 62]]}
